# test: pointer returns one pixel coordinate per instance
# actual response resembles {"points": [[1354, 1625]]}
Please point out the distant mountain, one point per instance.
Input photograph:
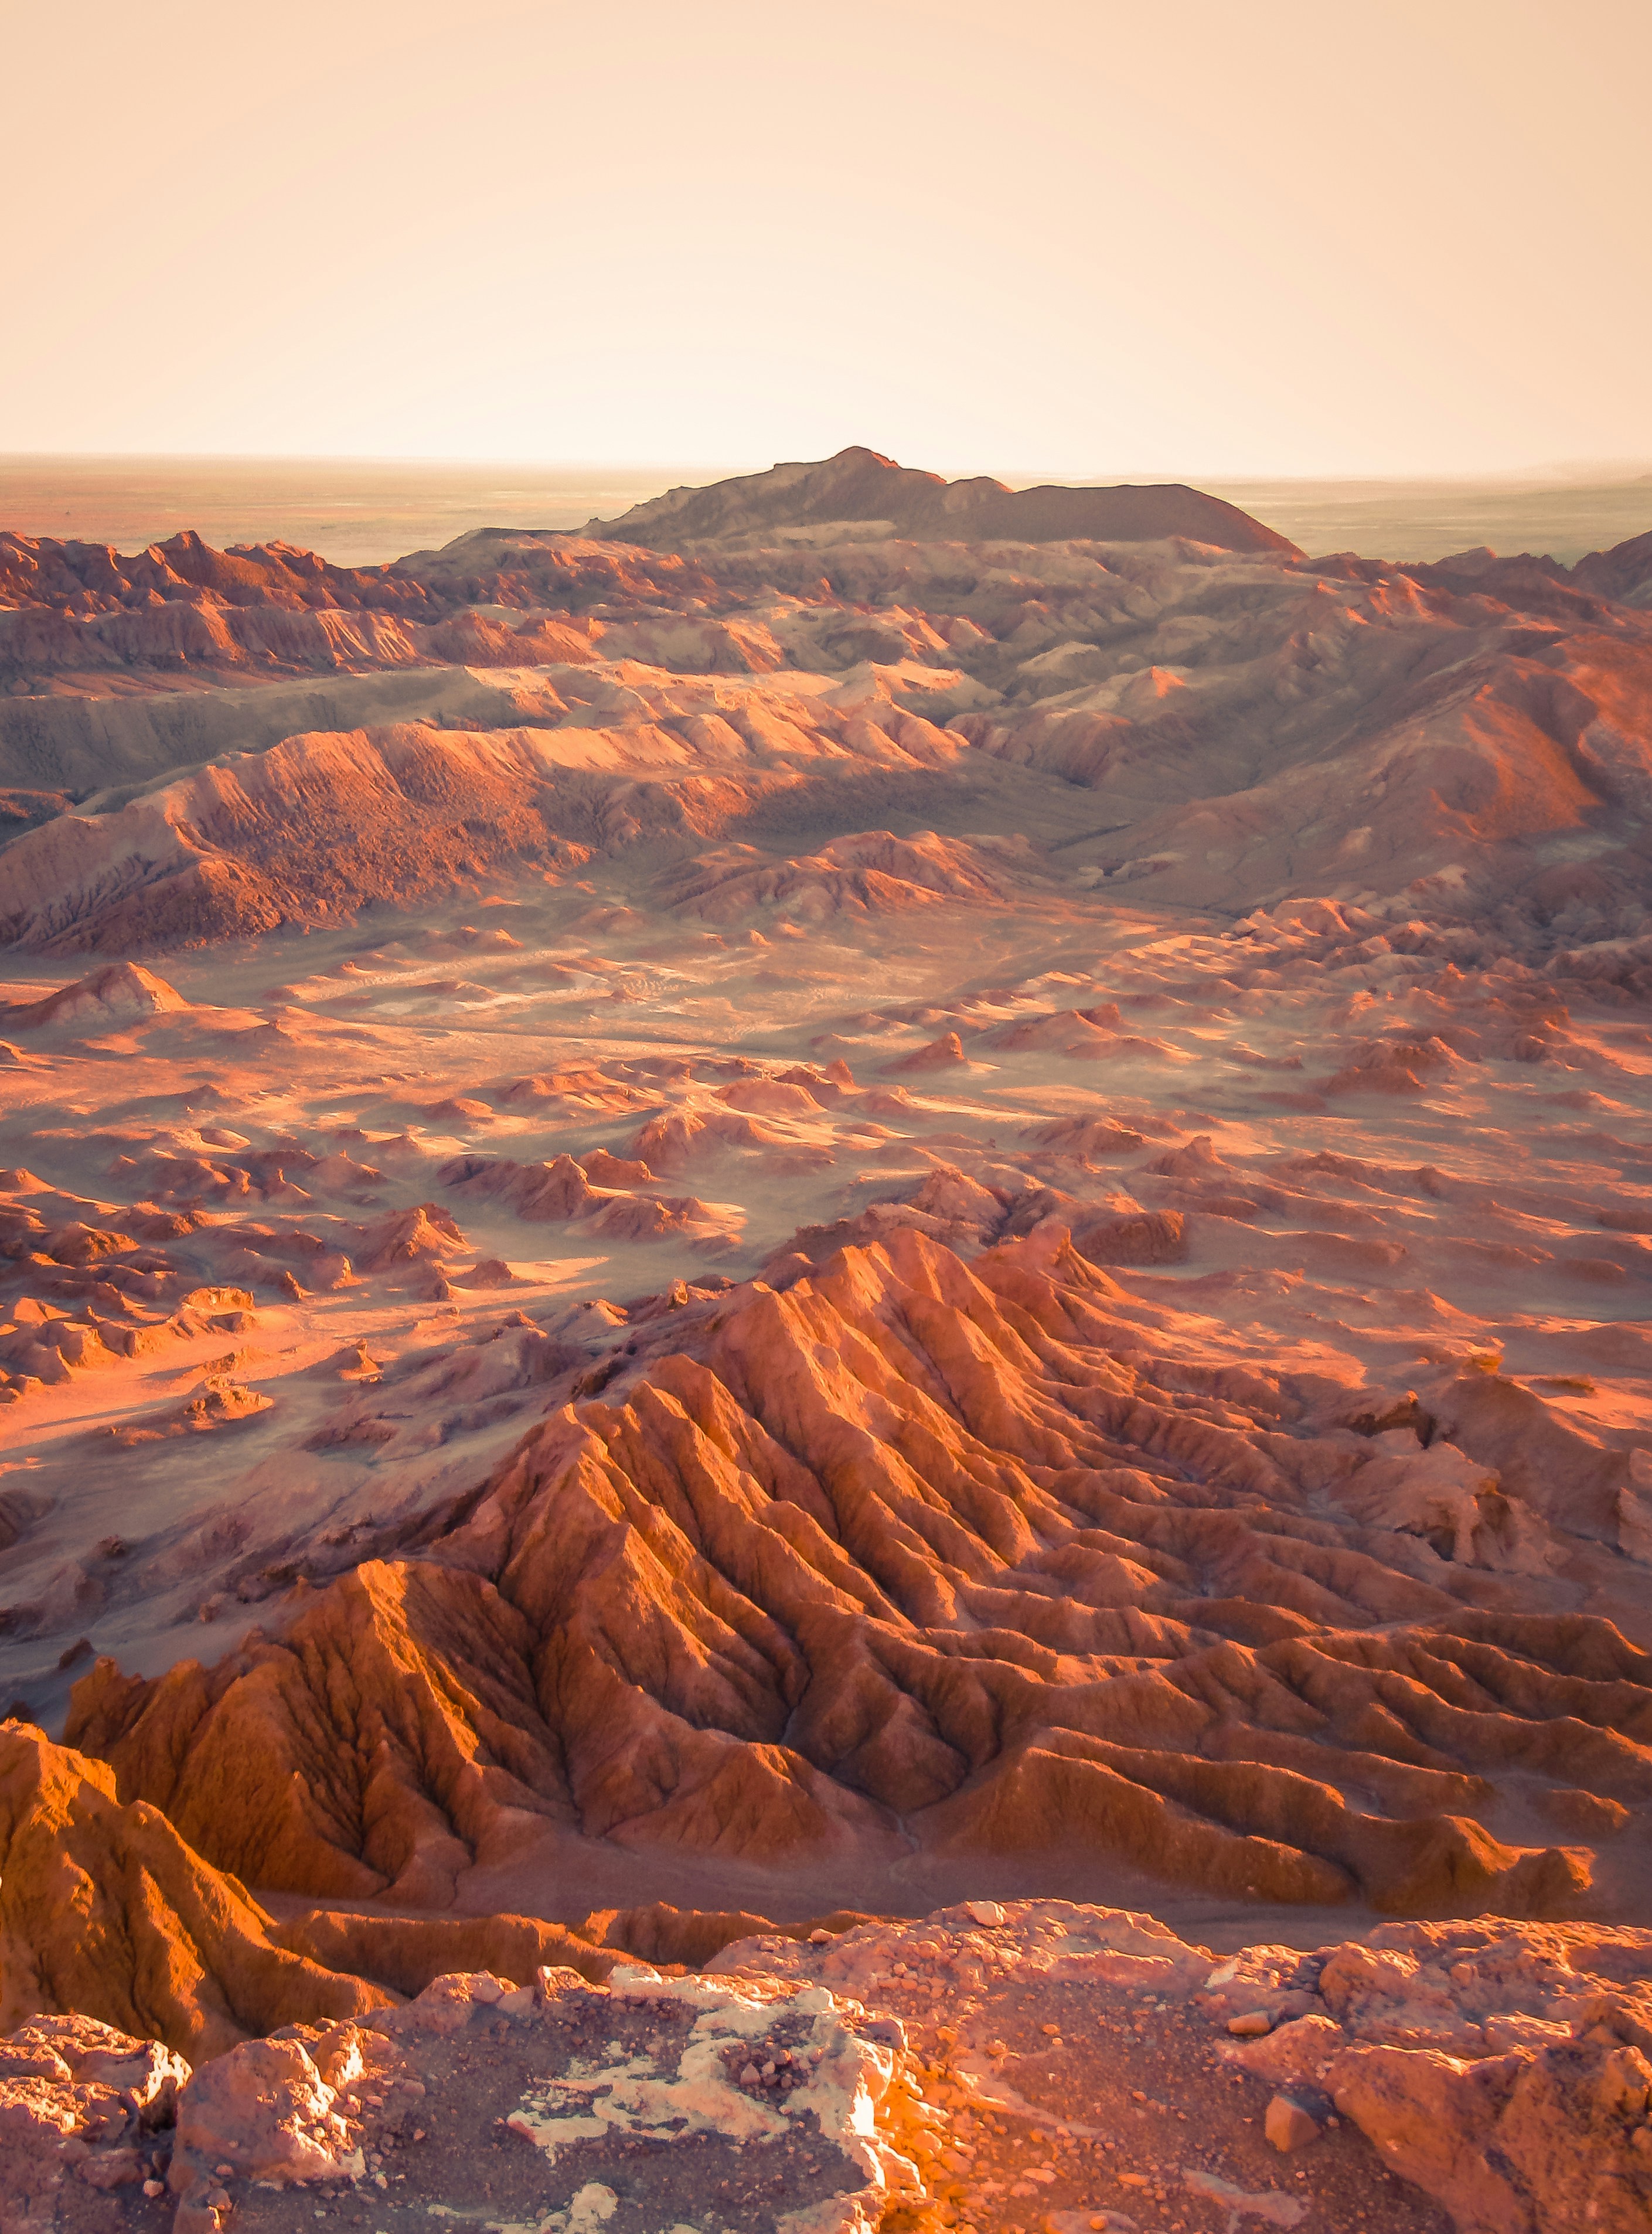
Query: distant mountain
{"points": [[84, 579], [860, 486], [1624, 573]]}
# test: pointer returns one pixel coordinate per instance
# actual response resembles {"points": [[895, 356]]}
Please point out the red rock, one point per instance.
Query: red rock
{"points": [[407, 1237], [1515, 2144], [1289, 2126], [724, 1615], [941, 1053], [105, 1909], [1156, 1236], [114, 995]]}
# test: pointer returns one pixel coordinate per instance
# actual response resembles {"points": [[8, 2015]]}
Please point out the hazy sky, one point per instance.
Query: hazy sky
{"points": [[1205, 237]]}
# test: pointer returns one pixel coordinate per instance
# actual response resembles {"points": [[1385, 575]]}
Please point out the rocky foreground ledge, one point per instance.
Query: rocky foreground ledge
{"points": [[1037, 2067]]}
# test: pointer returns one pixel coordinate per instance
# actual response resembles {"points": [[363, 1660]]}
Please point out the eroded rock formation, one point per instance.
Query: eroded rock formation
{"points": [[932, 1544], [106, 1911], [1146, 1395]]}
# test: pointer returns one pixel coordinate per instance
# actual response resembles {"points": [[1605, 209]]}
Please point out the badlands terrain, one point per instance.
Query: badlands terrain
{"points": [[861, 1265]]}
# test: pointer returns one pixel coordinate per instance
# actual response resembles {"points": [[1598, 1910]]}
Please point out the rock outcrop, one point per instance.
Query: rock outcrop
{"points": [[87, 2114], [117, 993], [991, 2059], [1498, 2069]]}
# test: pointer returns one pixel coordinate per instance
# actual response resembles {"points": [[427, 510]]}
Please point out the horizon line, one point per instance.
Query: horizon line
{"points": [[1575, 473]]}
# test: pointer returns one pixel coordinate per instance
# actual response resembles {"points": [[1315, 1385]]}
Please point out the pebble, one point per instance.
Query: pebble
{"points": [[1251, 2025], [1287, 2125]]}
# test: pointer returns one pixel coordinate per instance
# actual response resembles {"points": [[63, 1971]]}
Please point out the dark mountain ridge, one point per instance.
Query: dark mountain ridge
{"points": [[862, 486]]}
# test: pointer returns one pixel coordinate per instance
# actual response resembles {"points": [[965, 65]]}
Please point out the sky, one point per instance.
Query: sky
{"points": [[1194, 237]]}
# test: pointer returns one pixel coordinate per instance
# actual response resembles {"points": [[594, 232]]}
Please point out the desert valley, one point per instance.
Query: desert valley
{"points": [[826, 1375]]}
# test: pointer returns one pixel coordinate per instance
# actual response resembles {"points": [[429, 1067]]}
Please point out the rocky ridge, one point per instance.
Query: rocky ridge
{"points": [[943, 1553], [1457, 738], [989, 2067]]}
